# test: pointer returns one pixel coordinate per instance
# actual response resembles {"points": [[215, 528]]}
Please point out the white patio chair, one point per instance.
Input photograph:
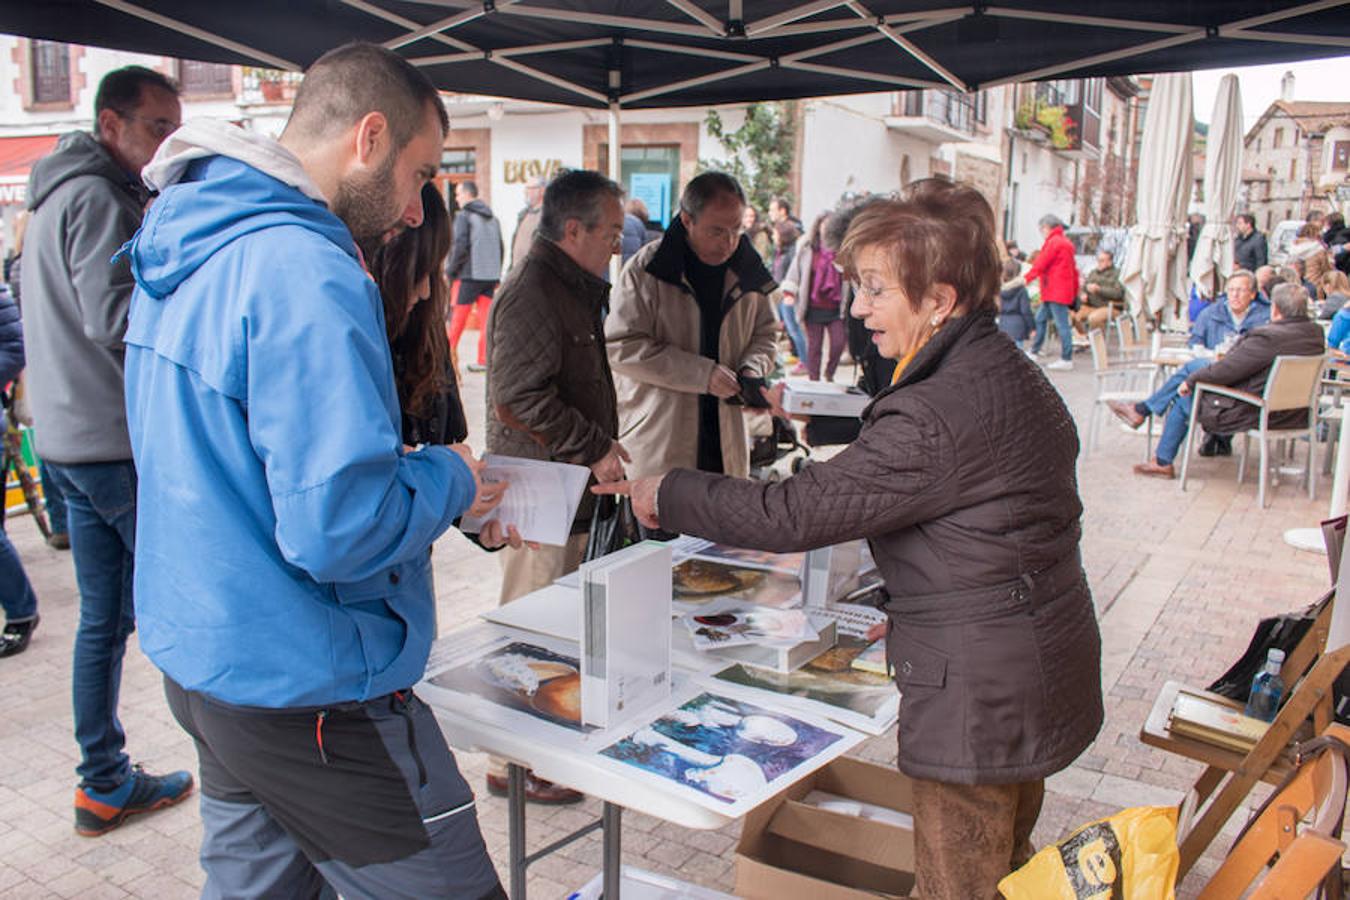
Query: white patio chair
{"points": [[1125, 382], [1294, 383]]}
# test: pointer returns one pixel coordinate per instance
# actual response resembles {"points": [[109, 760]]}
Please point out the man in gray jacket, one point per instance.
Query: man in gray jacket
{"points": [[86, 200], [476, 264]]}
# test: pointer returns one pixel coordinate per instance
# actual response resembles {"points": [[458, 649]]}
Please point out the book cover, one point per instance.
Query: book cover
{"points": [[873, 659], [1206, 719], [625, 633]]}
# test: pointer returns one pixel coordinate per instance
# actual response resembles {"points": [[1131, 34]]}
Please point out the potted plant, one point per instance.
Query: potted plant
{"points": [[1055, 119]]}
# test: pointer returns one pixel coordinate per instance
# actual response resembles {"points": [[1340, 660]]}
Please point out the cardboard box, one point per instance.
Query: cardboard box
{"points": [[816, 398], [793, 851]]}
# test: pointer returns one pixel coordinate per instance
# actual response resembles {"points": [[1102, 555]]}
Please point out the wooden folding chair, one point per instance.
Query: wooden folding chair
{"points": [[1306, 853], [1267, 761]]}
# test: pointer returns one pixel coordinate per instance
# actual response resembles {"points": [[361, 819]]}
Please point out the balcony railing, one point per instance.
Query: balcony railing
{"points": [[949, 108]]}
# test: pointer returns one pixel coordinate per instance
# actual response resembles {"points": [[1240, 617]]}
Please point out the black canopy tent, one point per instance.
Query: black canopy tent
{"points": [[630, 54]]}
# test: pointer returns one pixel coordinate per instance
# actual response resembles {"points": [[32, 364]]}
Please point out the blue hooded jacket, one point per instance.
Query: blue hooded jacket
{"points": [[1215, 322], [282, 543]]}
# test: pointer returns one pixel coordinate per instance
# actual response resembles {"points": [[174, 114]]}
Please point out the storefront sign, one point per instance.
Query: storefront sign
{"points": [[519, 171], [14, 194]]}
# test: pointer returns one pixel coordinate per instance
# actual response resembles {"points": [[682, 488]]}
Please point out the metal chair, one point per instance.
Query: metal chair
{"points": [[1116, 382], [1293, 383]]}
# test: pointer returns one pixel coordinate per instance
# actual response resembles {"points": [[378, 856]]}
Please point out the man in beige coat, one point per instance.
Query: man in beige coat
{"points": [[689, 320]]}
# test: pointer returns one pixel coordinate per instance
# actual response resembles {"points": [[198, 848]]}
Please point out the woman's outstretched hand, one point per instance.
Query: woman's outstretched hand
{"points": [[643, 493]]}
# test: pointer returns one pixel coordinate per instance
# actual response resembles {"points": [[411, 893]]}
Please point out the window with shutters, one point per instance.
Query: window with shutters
{"points": [[50, 71], [201, 78], [1340, 156]]}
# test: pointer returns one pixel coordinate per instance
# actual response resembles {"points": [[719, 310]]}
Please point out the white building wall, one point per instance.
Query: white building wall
{"points": [[1043, 183], [847, 148]]}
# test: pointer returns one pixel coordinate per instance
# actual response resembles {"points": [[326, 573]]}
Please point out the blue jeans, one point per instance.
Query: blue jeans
{"points": [[56, 501], [1060, 312], [1177, 408], [794, 329], [16, 592], [101, 507]]}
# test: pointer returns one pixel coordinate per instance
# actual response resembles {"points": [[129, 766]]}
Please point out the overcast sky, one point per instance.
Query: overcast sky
{"points": [[1324, 79]]}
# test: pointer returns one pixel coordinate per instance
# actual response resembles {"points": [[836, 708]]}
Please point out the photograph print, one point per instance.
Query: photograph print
{"points": [[729, 754], [523, 677]]}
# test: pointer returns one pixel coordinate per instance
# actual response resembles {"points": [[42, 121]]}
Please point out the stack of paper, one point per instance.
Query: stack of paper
{"points": [[541, 502]]}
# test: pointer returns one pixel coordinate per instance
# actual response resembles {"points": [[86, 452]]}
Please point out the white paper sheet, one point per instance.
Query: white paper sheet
{"points": [[541, 501]]}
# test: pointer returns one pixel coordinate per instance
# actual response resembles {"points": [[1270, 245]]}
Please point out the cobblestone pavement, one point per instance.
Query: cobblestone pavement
{"points": [[1179, 579]]}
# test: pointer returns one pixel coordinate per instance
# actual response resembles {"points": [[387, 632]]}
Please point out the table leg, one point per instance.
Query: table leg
{"points": [[612, 817], [515, 810]]}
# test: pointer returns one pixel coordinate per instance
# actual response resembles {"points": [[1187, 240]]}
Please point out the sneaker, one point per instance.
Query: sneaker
{"points": [[799, 369], [1061, 365], [14, 639], [98, 812], [59, 540]]}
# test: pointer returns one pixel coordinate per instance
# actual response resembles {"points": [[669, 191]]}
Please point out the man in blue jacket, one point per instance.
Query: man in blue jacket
{"points": [[1233, 314], [284, 578]]}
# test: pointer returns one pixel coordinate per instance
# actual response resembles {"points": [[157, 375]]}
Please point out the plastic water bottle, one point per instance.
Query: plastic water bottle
{"points": [[1267, 688]]}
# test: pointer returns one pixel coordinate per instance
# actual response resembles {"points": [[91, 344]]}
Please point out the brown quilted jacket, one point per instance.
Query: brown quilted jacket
{"points": [[549, 389], [963, 482]]}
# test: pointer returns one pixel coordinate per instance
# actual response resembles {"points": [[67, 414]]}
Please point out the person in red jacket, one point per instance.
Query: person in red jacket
{"points": [[1055, 267]]}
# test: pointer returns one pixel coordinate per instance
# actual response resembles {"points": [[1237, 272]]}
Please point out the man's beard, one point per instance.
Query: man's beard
{"points": [[363, 203]]}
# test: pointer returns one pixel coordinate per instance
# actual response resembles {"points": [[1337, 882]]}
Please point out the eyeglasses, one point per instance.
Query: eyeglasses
{"points": [[160, 128], [873, 290]]}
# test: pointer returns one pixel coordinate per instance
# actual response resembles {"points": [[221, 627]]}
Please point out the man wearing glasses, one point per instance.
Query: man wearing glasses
{"points": [[87, 200]]}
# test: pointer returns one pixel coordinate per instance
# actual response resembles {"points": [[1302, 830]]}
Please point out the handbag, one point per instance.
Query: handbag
{"points": [[613, 527], [1282, 632]]}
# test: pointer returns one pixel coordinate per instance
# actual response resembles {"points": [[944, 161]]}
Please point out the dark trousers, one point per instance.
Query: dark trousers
{"points": [[815, 347], [360, 798]]}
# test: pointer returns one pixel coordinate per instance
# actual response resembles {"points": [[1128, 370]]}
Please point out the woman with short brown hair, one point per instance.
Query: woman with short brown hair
{"points": [[962, 480]]}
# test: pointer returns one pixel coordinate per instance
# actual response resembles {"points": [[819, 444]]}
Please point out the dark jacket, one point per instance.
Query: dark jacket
{"points": [[442, 422], [476, 249], [1014, 310], [973, 519], [1249, 252], [11, 340], [549, 389], [1247, 366], [634, 235], [1110, 292]]}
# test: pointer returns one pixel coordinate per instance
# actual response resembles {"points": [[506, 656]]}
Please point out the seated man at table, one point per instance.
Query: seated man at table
{"points": [[1236, 312], [1245, 367], [1102, 296]]}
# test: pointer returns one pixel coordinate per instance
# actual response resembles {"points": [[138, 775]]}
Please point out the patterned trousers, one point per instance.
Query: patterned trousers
{"points": [[969, 836]]}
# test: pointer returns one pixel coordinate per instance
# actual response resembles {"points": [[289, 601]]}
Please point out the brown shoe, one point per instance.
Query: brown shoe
{"points": [[1125, 412], [1153, 470], [537, 790]]}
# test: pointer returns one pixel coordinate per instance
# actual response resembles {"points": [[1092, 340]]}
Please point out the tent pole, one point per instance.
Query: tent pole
{"points": [[615, 152]]}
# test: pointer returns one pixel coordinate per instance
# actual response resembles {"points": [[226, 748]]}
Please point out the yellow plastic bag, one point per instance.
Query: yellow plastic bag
{"points": [[1129, 856]]}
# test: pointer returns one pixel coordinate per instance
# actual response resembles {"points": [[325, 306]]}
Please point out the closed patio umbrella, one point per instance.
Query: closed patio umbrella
{"points": [[1223, 174], [1155, 266]]}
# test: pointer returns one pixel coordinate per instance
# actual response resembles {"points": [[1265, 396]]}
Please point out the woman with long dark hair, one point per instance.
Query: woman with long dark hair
{"points": [[409, 270]]}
